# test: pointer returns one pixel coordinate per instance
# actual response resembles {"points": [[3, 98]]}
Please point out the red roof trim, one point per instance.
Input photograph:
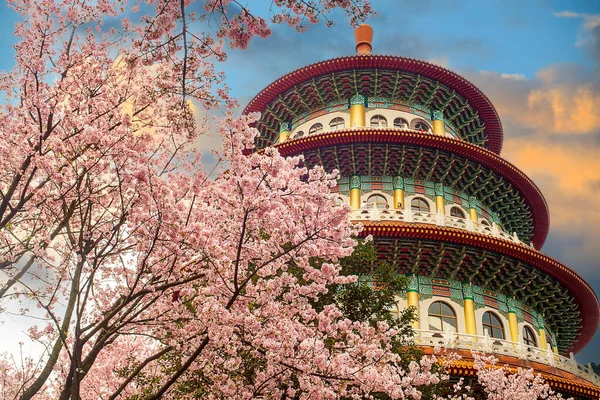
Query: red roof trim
{"points": [[530, 192], [487, 112], [577, 287]]}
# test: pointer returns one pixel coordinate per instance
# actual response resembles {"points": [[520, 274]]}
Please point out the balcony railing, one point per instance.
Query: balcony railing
{"points": [[439, 219], [462, 341]]}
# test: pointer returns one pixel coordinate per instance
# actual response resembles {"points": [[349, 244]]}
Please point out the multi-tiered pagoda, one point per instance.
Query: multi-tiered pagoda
{"points": [[418, 150]]}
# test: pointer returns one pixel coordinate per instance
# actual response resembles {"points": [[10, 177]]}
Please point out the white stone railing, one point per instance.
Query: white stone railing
{"points": [[439, 219], [462, 341]]}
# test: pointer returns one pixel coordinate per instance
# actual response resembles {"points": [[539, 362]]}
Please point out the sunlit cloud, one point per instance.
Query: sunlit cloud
{"points": [[566, 109]]}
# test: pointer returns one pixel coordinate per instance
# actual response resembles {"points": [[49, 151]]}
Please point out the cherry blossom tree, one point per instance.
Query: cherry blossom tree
{"points": [[498, 382], [153, 279]]}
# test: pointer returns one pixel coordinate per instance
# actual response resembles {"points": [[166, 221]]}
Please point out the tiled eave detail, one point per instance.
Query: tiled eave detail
{"points": [[488, 159], [583, 294], [558, 380], [454, 82]]}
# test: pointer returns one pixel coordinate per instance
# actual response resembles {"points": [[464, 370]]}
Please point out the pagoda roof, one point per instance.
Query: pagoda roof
{"points": [[443, 159], [415, 81], [522, 267]]}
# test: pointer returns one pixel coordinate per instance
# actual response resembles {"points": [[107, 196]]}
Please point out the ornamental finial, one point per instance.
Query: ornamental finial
{"points": [[363, 35]]}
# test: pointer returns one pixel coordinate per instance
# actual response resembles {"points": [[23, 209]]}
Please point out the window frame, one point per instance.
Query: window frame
{"points": [[417, 121], [442, 316], [420, 199], [316, 130], [532, 339], [403, 121], [380, 118], [333, 125], [493, 327], [378, 195], [462, 213]]}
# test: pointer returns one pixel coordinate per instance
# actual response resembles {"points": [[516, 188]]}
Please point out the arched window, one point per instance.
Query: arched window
{"points": [[421, 126], [299, 134], [337, 123], [420, 205], [400, 123], [378, 121], [529, 336], [377, 201], [457, 212], [395, 311], [316, 128], [484, 222], [492, 325], [441, 317]]}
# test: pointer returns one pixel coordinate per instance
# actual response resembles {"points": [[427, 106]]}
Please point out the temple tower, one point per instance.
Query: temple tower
{"points": [[418, 148]]}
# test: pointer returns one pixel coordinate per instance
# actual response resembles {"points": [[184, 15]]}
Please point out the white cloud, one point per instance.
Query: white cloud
{"points": [[590, 21], [515, 77]]}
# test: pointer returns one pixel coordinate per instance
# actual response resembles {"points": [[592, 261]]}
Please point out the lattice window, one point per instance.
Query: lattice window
{"points": [[400, 123], [299, 134], [493, 325], [441, 317], [419, 205], [378, 121], [529, 336], [377, 201], [337, 123], [316, 128], [422, 126], [457, 212]]}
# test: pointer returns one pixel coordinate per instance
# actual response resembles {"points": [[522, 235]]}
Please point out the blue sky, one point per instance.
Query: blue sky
{"points": [[537, 60]]}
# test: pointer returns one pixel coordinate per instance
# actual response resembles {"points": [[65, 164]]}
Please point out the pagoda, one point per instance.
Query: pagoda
{"points": [[418, 151]]}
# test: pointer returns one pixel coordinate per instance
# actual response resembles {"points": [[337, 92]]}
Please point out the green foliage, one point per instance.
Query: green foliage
{"points": [[374, 294]]}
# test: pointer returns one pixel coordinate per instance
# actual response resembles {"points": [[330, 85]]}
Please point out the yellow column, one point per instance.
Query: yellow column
{"points": [[398, 199], [398, 185], [469, 308], [440, 204], [472, 209], [543, 343], [284, 131], [413, 301], [355, 192], [412, 298], [470, 325], [513, 325], [438, 123], [358, 111]]}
